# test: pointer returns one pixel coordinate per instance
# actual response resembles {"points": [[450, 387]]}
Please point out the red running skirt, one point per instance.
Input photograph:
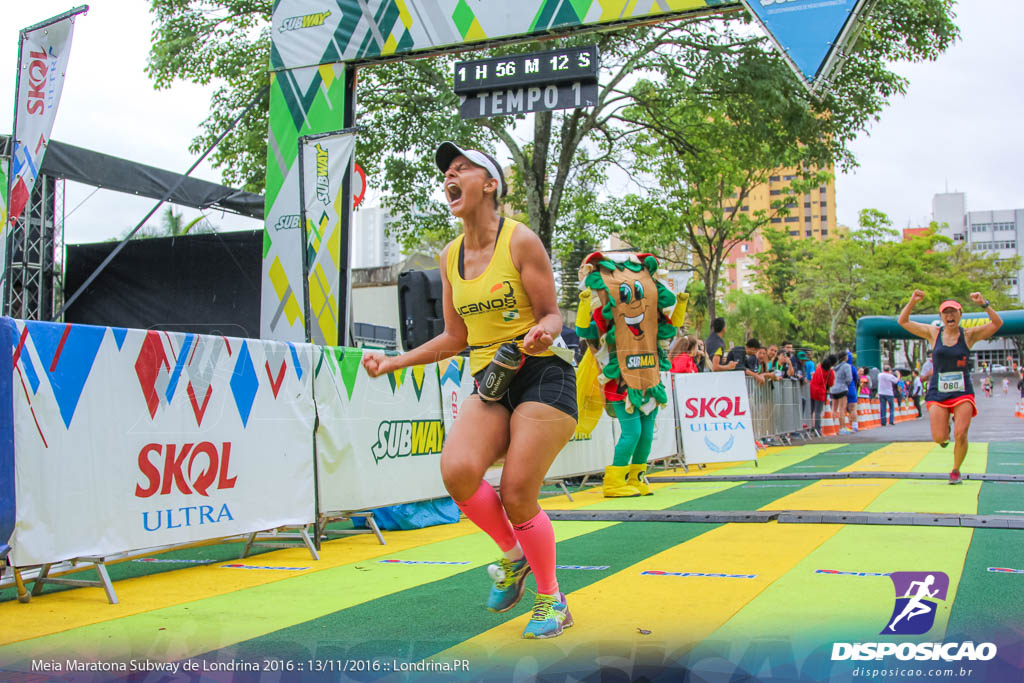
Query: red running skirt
{"points": [[951, 402]]}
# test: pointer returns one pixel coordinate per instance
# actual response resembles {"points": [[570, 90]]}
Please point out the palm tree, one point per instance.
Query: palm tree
{"points": [[174, 225]]}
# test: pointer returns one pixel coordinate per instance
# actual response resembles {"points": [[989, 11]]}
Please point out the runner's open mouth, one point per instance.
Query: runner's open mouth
{"points": [[453, 192]]}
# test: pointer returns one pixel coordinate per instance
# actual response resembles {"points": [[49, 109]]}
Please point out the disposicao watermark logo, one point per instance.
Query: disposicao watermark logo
{"points": [[918, 595], [917, 598]]}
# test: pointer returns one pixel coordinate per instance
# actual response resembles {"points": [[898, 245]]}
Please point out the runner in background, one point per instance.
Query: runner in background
{"points": [[499, 259], [950, 393]]}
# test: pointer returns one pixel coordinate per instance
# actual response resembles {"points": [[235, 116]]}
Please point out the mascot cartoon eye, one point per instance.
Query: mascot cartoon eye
{"points": [[639, 289], [625, 293]]}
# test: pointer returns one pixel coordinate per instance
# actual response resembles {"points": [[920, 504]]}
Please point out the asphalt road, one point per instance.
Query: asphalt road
{"points": [[995, 422]]}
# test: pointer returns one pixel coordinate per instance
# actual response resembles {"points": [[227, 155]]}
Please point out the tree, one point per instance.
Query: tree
{"points": [[172, 224], [712, 132], [758, 316], [829, 285], [225, 42], [407, 107]]}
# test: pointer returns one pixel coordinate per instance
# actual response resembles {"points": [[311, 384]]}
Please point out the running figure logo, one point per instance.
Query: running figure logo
{"points": [[917, 598]]}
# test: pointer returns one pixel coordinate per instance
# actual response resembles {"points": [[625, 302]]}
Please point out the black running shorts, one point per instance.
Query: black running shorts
{"points": [[542, 379]]}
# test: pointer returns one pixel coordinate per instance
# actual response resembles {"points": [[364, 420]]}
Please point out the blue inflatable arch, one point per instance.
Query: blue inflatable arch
{"points": [[873, 328]]}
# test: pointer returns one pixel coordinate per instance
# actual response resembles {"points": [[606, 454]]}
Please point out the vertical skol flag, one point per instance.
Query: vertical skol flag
{"points": [[325, 159], [42, 61]]}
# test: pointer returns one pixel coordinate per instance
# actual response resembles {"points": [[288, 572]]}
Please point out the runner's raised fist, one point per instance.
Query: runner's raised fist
{"points": [[375, 364], [917, 296]]}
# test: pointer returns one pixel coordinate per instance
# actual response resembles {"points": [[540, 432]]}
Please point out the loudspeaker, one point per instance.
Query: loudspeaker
{"points": [[420, 306]]}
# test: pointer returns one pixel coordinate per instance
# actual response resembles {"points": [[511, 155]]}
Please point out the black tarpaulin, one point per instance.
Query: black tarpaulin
{"points": [[113, 173], [205, 283]]}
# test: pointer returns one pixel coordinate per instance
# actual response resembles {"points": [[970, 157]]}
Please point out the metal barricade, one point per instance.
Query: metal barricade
{"points": [[777, 411], [760, 408]]}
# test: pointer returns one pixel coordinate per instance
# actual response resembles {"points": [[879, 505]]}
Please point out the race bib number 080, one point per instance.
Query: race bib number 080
{"points": [[951, 382]]}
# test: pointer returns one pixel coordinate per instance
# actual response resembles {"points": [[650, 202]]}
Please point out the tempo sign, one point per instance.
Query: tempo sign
{"points": [[527, 83]]}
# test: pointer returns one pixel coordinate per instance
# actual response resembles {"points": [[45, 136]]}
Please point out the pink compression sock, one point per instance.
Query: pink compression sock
{"points": [[484, 509], [538, 541]]}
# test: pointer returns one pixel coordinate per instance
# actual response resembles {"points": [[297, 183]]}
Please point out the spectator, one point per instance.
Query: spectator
{"points": [[839, 390], [777, 364], [805, 370], [744, 358], [886, 382], [873, 377], [683, 360], [926, 373], [821, 379], [863, 384], [1020, 385], [916, 391], [715, 346], [761, 362], [677, 348], [851, 394], [700, 356]]}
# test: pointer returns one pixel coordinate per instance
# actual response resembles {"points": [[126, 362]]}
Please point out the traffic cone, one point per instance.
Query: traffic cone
{"points": [[1020, 409], [829, 426], [864, 414]]}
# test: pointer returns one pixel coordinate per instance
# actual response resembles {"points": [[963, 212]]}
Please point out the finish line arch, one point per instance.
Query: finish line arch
{"points": [[873, 328], [317, 46]]}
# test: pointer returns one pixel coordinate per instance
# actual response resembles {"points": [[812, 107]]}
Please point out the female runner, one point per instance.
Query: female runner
{"points": [[950, 392], [499, 287]]}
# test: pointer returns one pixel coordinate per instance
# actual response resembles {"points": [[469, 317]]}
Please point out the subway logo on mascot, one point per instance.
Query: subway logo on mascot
{"points": [[502, 298], [402, 438]]}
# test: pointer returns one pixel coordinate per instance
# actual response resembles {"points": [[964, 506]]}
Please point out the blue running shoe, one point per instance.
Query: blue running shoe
{"points": [[550, 616], [509, 582]]}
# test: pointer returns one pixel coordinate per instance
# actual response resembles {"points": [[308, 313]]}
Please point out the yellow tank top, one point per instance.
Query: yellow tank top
{"points": [[494, 304]]}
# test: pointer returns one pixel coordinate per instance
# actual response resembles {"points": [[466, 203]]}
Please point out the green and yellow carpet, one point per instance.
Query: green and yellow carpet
{"points": [[651, 600]]}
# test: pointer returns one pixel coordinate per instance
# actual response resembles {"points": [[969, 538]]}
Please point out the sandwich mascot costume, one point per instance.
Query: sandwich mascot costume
{"points": [[627, 317]]}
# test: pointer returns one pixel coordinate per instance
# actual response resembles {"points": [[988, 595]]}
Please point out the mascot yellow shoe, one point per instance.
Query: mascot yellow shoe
{"points": [[615, 485], [637, 477]]}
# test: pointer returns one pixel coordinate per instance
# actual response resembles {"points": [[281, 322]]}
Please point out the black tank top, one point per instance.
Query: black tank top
{"points": [[951, 377]]}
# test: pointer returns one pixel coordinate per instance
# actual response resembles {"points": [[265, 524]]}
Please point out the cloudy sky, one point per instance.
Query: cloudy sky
{"points": [[957, 127]]}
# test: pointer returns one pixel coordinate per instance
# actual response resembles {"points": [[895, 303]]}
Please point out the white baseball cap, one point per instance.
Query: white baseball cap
{"points": [[447, 151]]}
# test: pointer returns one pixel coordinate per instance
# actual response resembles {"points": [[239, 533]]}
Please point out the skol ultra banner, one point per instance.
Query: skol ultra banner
{"points": [[42, 60], [714, 415], [309, 32], [379, 441], [325, 161], [7, 499], [128, 439]]}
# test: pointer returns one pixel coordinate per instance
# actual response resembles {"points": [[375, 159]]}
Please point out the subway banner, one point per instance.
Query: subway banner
{"points": [[325, 159], [379, 440], [311, 32], [302, 102], [580, 456], [714, 414], [129, 439]]}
